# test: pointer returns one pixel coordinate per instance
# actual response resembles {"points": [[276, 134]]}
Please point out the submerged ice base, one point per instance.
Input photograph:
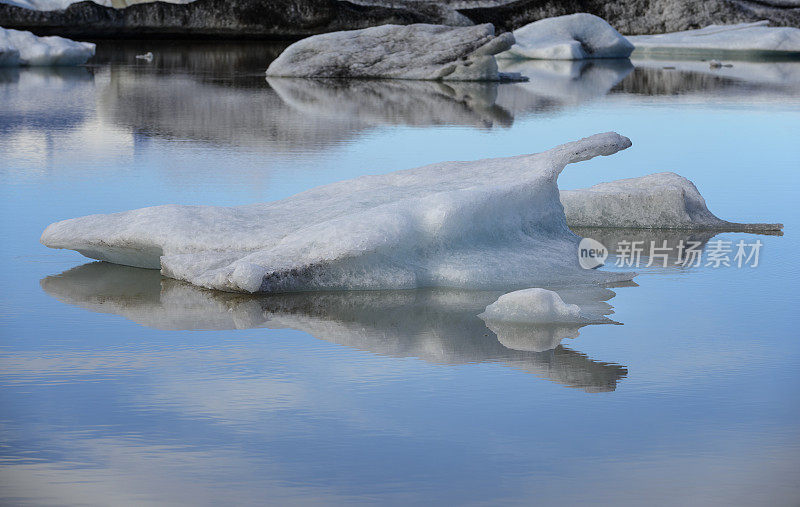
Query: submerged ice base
{"points": [[482, 224]]}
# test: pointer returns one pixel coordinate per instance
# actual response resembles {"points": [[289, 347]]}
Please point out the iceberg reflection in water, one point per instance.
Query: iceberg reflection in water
{"points": [[555, 84], [438, 326], [217, 94]]}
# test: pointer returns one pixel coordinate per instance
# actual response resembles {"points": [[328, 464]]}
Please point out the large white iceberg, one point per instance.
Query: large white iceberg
{"points": [[482, 224], [418, 51], [661, 200], [571, 37], [36, 51], [754, 37]]}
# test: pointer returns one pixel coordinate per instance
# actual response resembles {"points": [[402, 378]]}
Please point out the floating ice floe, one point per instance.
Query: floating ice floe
{"points": [[755, 37], [39, 51], [483, 224], [571, 37], [418, 51], [657, 201], [536, 306], [435, 325], [537, 319]]}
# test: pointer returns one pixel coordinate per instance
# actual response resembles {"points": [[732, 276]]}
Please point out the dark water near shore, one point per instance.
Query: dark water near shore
{"points": [[120, 387]]}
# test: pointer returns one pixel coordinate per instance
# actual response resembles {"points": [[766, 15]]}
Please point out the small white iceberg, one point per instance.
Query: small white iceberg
{"points": [[493, 223], [755, 37], [24, 48], [418, 51], [656, 201], [572, 37], [537, 319], [537, 306]]}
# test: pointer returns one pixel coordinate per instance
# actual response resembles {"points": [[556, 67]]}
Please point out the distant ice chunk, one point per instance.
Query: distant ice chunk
{"points": [[41, 51], [755, 37], [418, 51], [572, 37], [483, 224], [656, 201]]}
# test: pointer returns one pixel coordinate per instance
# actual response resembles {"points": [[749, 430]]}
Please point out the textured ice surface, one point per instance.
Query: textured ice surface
{"points": [[482, 224], [418, 51], [54, 5], [36, 51], [438, 326], [661, 200], [572, 37], [744, 37]]}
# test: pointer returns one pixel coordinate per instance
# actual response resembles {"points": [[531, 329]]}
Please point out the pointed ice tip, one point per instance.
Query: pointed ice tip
{"points": [[605, 144]]}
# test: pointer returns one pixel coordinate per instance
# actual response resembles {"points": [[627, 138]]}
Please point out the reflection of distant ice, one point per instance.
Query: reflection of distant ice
{"points": [[52, 98], [47, 113], [439, 326], [557, 83], [687, 77]]}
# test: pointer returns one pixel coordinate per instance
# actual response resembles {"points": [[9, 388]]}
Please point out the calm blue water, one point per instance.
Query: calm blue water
{"points": [[119, 387]]}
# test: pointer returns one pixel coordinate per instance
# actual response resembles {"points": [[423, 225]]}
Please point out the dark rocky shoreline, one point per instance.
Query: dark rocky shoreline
{"points": [[294, 19], [236, 19]]}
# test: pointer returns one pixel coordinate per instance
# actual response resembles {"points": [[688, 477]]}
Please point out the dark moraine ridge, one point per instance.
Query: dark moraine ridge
{"points": [[294, 19], [246, 19], [634, 17]]}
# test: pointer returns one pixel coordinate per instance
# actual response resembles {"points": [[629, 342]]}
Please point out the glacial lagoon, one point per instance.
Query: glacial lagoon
{"points": [[121, 386]]}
